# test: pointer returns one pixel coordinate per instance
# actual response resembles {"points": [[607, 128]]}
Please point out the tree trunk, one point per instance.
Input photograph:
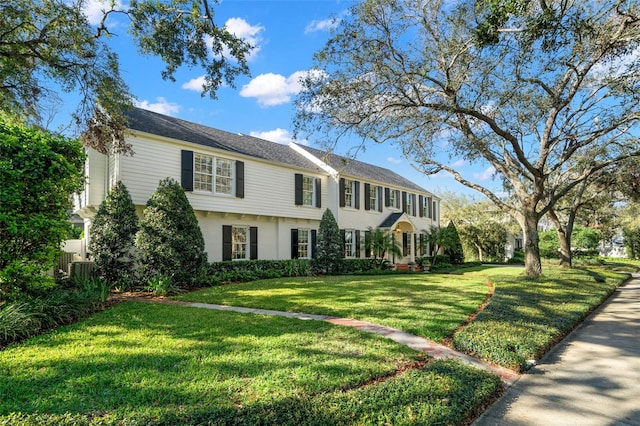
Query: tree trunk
{"points": [[532, 264], [564, 238]]}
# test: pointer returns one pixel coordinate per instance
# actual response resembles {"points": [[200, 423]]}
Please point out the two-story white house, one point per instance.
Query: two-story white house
{"points": [[256, 199]]}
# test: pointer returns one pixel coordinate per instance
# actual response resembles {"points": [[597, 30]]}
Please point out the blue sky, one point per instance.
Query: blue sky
{"points": [[286, 34]]}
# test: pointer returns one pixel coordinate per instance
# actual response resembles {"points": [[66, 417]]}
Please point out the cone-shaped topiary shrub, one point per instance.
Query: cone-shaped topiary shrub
{"points": [[170, 243], [329, 245], [113, 233]]}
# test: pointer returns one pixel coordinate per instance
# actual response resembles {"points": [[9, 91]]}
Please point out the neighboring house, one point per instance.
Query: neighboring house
{"points": [[256, 199]]}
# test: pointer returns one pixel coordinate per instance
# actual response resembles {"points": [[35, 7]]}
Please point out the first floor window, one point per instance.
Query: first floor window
{"points": [[303, 243], [349, 243], [240, 239]]}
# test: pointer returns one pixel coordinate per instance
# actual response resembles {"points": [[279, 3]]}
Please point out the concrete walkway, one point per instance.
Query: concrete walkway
{"points": [[431, 348], [591, 378]]}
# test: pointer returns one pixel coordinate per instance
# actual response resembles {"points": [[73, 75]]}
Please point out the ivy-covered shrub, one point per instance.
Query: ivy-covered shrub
{"points": [[631, 234], [169, 242], [113, 233], [39, 171], [329, 246]]}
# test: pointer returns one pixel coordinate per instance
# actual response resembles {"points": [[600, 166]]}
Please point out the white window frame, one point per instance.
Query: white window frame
{"points": [[394, 198], [239, 247], [410, 206], [308, 194], [304, 237], [349, 193], [373, 198], [213, 179], [349, 243]]}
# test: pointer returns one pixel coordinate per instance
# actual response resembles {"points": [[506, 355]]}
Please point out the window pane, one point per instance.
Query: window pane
{"points": [[202, 173], [303, 243], [307, 190], [224, 176], [239, 241]]}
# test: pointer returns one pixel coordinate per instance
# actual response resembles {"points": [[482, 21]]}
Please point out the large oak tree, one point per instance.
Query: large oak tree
{"points": [[48, 47], [547, 93]]}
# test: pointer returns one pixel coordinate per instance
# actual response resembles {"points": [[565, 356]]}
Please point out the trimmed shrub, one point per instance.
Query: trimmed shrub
{"points": [[170, 241], [454, 250], [329, 246], [113, 233], [249, 270]]}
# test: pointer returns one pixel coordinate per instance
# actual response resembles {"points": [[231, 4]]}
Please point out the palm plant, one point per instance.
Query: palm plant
{"points": [[380, 243]]}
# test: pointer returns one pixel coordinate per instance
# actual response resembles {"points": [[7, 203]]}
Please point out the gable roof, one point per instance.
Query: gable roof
{"points": [[175, 128], [360, 169]]}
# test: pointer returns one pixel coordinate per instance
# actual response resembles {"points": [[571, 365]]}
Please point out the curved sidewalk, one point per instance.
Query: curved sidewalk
{"points": [[431, 348], [591, 378]]}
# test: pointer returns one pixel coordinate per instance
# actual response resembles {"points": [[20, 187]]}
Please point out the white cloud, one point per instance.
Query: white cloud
{"points": [[194, 84], [93, 9], [322, 25], [278, 135], [161, 106], [247, 32], [459, 163], [273, 89], [486, 175], [394, 160]]}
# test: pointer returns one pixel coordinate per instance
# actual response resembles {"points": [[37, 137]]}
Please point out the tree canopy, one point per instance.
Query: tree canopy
{"points": [[48, 47], [549, 97]]}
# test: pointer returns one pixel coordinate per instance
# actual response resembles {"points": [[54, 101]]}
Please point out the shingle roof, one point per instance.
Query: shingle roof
{"points": [[391, 220], [175, 128], [355, 168]]}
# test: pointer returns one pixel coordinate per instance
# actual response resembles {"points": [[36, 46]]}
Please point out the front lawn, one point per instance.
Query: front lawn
{"points": [[428, 305], [140, 363]]}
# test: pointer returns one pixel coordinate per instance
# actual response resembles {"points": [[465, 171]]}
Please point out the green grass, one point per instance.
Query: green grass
{"points": [[428, 305], [139, 363], [526, 317]]}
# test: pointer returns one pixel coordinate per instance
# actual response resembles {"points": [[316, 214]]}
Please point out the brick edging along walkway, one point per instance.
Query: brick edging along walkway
{"points": [[431, 348]]}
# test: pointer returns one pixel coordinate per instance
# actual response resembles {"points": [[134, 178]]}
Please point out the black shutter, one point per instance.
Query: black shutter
{"points": [[413, 204], [357, 243], [379, 198], [298, 189], [226, 242], [404, 202], [344, 241], [341, 192], [186, 177], [294, 243], [429, 208], [314, 251], [239, 179], [435, 211], [387, 197], [318, 192], [405, 244], [356, 194], [253, 242], [420, 205], [367, 198], [367, 243]]}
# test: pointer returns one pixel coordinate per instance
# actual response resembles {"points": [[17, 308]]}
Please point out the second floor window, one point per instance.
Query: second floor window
{"points": [[308, 187], [394, 199], [349, 193], [213, 174], [373, 197], [410, 206]]}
